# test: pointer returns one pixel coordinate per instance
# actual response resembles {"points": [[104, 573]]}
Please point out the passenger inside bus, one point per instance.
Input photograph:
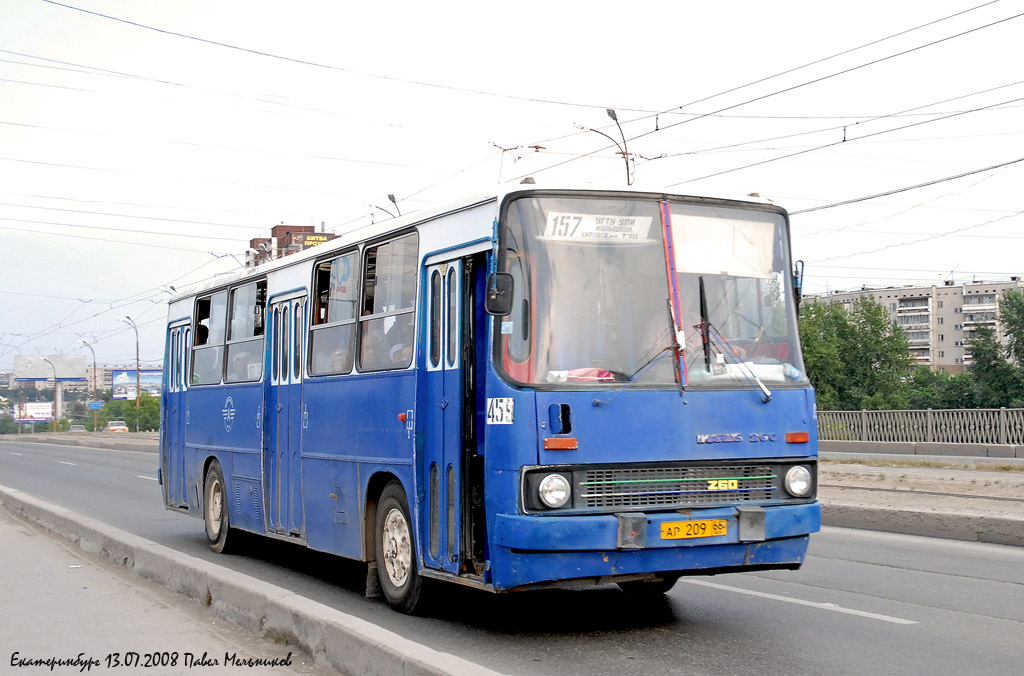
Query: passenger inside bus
{"points": [[340, 361], [240, 367]]}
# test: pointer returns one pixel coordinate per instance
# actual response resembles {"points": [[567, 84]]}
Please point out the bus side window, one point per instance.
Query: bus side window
{"points": [[245, 332], [332, 334], [389, 305], [208, 352]]}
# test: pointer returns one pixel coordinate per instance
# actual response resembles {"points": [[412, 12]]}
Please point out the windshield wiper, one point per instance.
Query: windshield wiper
{"points": [[709, 335], [704, 324]]}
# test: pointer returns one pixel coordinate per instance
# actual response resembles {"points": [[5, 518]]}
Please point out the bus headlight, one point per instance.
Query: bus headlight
{"points": [[798, 481], [554, 490]]}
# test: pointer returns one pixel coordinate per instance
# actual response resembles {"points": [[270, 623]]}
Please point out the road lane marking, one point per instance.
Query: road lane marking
{"points": [[151, 478], [15, 453], [801, 602], [73, 464]]}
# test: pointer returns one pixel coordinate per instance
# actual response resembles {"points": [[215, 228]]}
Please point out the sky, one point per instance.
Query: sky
{"points": [[143, 144]]}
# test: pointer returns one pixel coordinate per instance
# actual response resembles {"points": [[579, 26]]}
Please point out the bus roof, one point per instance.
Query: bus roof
{"points": [[378, 229]]}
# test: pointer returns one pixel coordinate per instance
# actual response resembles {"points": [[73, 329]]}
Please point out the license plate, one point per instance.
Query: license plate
{"points": [[682, 530]]}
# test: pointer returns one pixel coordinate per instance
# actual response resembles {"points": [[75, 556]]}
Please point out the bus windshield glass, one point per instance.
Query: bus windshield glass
{"points": [[593, 306]]}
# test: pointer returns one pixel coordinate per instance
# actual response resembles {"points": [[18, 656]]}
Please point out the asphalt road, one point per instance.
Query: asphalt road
{"points": [[865, 602]]}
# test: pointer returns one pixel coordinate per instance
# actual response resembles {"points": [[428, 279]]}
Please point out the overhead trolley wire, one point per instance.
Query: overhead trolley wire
{"points": [[145, 218], [841, 142], [575, 157], [927, 238], [907, 188], [104, 239], [782, 91], [864, 121], [316, 64], [435, 85], [677, 109]]}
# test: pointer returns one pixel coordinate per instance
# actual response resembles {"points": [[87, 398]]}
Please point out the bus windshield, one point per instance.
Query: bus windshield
{"points": [[592, 294]]}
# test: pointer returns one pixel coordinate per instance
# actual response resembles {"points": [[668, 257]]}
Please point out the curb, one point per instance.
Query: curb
{"points": [[951, 526], [347, 643], [107, 443]]}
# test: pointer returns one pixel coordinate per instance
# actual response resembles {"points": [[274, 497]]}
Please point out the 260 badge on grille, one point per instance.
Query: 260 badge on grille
{"points": [[682, 530]]}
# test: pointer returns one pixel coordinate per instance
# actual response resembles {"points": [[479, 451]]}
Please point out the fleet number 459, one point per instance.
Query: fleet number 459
{"points": [[500, 411]]}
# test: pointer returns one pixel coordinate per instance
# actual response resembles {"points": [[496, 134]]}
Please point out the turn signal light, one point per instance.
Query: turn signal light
{"points": [[797, 437], [561, 444]]}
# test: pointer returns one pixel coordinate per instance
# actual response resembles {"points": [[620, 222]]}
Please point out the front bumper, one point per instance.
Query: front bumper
{"points": [[535, 549]]}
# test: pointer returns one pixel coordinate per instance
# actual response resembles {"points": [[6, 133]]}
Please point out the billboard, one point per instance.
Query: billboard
{"points": [[312, 239], [33, 412], [123, 381], [69, 367]]}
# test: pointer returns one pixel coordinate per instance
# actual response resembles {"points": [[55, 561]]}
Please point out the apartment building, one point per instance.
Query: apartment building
{"points": [[937, 320]]}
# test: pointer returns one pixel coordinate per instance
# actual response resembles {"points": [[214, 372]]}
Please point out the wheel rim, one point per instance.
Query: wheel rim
{"points": [[397, 548], [215, 507]]}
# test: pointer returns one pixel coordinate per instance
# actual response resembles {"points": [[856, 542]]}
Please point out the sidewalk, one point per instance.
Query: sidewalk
{"points": [[56, 602], [139, 606], [978, 505]]}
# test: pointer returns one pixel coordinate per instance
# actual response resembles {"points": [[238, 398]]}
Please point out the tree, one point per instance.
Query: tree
{"points": [[1011, 316], [856, 359], [959, 392], [927, 389], [7, 425], [820, 326], [146, 417], [879, 358], [997, 380]]}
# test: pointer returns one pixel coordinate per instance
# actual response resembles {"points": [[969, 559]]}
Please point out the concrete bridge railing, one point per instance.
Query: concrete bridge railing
{"points": [[996, 433]]}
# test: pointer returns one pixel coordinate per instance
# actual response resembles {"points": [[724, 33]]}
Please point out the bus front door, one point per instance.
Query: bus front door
{"points": [[282, 477], [443, 458]]}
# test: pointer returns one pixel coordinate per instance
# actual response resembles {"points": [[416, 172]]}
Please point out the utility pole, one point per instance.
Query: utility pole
{"points": [[138, 373], [95, 413], [56, 394]]}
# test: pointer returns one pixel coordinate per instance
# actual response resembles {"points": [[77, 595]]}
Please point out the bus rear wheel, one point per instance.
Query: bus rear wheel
{"points": [[215, 510], [396, 551]]}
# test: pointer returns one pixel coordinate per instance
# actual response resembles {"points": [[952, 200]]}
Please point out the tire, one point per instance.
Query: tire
{"points": [[215, 510], [650, 587], [395, 551]]}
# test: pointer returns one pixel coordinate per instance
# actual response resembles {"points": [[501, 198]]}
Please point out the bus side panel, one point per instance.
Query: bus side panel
{"points": [[330, 493], [352, 430], [226, 422], [507, 447]]}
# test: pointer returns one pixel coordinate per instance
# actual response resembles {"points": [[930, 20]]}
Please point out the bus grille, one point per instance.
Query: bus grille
{"points": [[672, 487]]}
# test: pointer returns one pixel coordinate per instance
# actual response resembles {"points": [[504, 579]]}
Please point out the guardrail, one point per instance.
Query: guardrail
{"points": [[941, 426]]}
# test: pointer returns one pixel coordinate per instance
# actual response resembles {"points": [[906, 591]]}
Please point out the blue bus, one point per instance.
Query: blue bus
{"points": [[528, 388]]}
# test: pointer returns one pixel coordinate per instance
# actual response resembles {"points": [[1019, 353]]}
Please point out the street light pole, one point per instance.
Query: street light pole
{"points": [[95, 413], [55, 409], [138, 376]]}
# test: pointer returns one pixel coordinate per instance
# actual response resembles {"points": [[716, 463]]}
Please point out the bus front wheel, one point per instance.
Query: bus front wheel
{"points": [[215, 509], [396, 551]]}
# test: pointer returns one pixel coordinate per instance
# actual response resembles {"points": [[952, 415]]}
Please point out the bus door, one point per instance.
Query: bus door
{"points": [[282, 478], [444, 410], [179, 349]]}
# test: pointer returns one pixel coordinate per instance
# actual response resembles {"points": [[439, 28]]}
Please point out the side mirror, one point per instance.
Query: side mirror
{"points": [[499, 294]]}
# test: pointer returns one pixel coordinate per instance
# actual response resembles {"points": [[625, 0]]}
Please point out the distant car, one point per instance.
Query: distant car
{"points": [[76, 428], [116, 426]]}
